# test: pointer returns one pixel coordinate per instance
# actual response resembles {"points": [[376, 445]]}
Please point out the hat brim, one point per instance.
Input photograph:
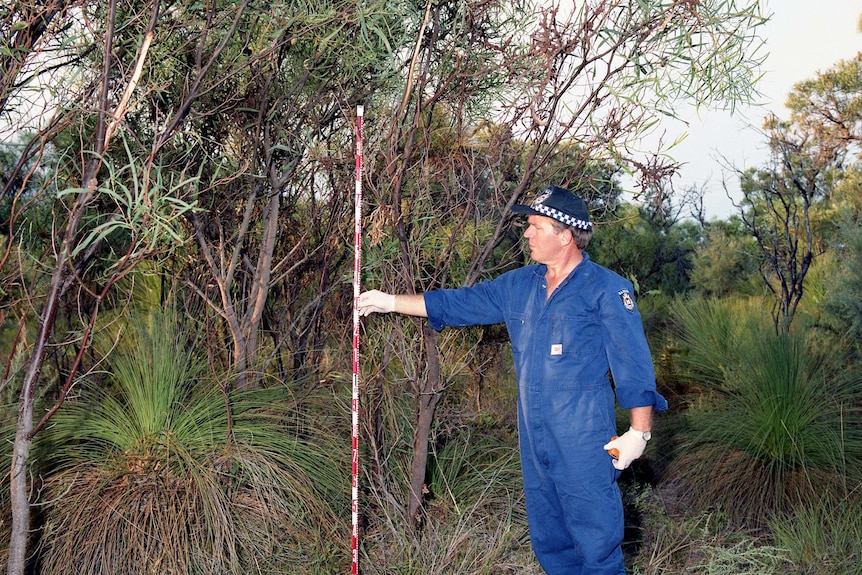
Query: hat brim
{"points": [[522, 209]]}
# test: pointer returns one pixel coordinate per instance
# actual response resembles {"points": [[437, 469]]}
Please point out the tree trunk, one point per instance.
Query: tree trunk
{"points": [[19, 489], [428, 397]]}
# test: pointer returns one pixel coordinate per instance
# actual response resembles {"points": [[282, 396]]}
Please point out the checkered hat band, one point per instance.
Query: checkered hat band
{"points": [[563, 217]]}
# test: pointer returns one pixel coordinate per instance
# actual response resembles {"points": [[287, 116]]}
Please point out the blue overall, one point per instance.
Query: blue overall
{"points": [[564, 348]]}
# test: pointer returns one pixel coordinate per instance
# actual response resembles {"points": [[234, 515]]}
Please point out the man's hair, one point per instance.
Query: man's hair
{"points": [[582, 237]]}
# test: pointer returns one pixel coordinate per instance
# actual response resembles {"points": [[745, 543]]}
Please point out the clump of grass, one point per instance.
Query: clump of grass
{"points": [[473, 542], [772, 428], [824, 539], [475, 520], [158, 477]]}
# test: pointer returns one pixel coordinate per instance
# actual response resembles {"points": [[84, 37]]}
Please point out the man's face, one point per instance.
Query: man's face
{"points": [[543, 238]]}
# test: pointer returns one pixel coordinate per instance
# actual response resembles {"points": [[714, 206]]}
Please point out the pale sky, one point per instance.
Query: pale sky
{"points": [[802, 38]]}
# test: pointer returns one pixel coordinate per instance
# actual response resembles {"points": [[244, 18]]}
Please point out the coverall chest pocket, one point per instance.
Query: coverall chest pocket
{"points": [[575, 338], [518, 332]]}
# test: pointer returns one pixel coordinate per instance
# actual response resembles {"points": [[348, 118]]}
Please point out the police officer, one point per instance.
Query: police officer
{"points": [[572, 324]]}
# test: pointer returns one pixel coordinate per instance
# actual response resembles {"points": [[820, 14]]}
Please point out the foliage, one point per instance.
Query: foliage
{"points": [[651, 248], [772, 426], [823, 539], [21, 185], [165, 478], [254, 101], [828, 110], [842, 306], [695, 543], [725, 263], [139, 209]]}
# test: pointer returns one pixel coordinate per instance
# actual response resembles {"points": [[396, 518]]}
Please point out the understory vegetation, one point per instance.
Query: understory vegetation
{"points": [[755, 471]]}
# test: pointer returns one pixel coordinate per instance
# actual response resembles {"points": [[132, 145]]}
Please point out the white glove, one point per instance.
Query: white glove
{"points": [[626, 448], [375, 301]]}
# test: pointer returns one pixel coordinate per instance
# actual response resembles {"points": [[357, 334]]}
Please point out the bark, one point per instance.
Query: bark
{"points": [[242, 316], [19, 487], [428, 397]]}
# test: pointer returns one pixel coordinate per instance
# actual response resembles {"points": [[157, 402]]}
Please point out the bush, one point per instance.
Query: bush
{"points": [[772, 426], [158, 476]]}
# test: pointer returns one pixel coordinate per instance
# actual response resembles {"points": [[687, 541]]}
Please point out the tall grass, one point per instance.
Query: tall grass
{"points": [[158, 477], [475, 520], [824, 539], [774, 424]]}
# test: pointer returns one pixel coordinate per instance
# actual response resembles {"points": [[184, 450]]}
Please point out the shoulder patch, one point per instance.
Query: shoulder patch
{"points": [[627, 300]]}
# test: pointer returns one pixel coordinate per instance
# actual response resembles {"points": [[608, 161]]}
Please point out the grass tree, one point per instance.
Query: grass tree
{"points": [[772, 424], [155, 475]]}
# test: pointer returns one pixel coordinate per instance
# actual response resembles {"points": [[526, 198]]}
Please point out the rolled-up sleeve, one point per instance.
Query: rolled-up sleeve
{"points": [[628, 352]]}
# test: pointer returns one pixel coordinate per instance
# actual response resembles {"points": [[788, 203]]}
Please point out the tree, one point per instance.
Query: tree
{"points": [[249, 100], [807, 155], [828, 108], [471, 105], [28, 32], [265, 97], [113, 216], [599, 76], [776, 209]]}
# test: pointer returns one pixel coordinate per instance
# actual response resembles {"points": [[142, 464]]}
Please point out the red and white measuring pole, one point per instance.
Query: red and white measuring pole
{"points": [[357, 258]]}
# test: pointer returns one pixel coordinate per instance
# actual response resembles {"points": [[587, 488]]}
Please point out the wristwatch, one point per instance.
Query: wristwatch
{"points": [[645, 435]]}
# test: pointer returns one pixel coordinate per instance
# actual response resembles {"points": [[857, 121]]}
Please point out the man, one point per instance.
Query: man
{"points": [[571, 323]]}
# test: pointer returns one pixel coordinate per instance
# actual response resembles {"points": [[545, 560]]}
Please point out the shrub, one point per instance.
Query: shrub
{"points": [[773, 426], [158, 477]]}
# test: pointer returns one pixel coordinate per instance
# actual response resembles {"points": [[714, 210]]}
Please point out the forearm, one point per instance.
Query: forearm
{"points": [[411, 304], [641, 418]]}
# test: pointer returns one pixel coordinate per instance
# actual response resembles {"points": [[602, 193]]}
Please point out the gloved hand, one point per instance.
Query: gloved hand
{"points": [[627, 447], [375, 301]]}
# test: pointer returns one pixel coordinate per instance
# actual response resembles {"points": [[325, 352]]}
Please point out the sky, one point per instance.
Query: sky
{"points": [[803, 37]]}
